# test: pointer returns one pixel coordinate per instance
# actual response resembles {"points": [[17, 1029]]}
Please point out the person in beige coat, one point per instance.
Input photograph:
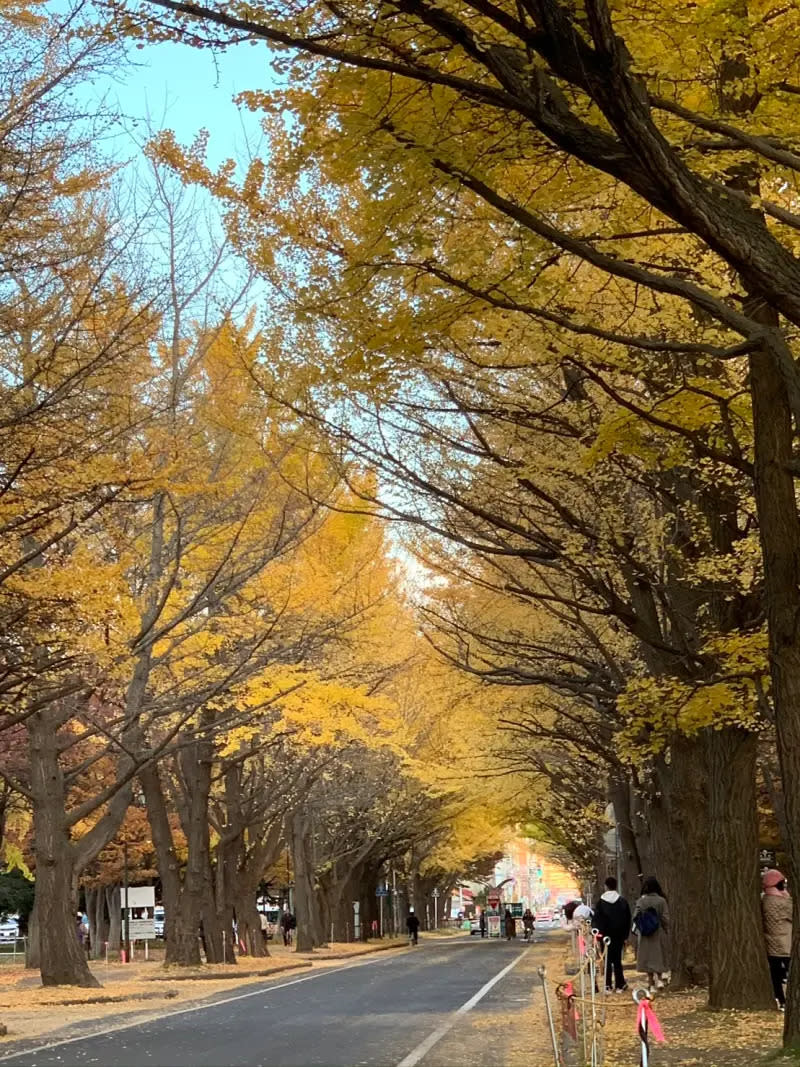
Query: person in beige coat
{"points": [[776, 912], [651, 926]]}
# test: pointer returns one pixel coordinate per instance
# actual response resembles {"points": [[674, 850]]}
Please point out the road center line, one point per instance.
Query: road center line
{"points": [[424, 1047]]}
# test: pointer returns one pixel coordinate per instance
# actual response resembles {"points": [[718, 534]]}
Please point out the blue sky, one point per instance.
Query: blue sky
{"points": [[188, 89]]}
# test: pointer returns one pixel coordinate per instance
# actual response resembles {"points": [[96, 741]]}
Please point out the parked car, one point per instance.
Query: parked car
{"points": [[158, 920], [544, 917], [474, 927], [9, 928]]}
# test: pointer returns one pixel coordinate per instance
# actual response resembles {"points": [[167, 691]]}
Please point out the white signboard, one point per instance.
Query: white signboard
{"points": [[141, 920], [142, 930], [140, 896]]}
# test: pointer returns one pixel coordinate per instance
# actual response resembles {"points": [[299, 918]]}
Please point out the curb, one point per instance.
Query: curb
{"points": [[227, 975]]}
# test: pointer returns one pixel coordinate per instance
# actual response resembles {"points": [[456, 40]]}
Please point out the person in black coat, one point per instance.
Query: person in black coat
{"points": [[612, 919], [412, 924]]}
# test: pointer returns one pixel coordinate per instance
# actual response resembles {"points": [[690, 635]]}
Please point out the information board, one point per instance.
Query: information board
{"points": [[142, 929]]}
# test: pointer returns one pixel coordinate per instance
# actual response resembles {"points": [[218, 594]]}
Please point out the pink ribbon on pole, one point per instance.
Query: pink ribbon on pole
{"points": [[581, 945], [647, 1017]]}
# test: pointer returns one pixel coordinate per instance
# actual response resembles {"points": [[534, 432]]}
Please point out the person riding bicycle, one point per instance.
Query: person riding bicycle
{"points": [[528, 924]]}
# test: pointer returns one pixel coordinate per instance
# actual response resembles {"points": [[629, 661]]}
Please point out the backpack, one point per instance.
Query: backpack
{"points": [[647, 922]]}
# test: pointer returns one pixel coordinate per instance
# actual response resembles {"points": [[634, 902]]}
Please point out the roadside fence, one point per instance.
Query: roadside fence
{"points": [[13, 950], [576, 1008]]}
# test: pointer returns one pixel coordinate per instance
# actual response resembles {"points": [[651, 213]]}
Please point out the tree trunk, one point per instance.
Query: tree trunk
{"points": [[96, 910], [779, 531], [631, 866], [679, 825], [33, 958], [249, 923], [114, 906], [739, 973], [196, 901], [180, 929], [63, 959], [769, 772], [305, 935]]}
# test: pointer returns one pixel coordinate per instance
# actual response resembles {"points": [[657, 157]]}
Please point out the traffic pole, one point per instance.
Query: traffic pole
{"points": [[394, 903], [127, 934]]}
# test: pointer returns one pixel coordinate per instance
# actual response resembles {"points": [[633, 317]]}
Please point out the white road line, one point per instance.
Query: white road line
{"points": [[424, 1047], [158, 1017]]}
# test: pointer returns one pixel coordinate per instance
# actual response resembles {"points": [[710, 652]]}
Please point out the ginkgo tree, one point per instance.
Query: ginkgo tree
{"points": [[567, 138]]}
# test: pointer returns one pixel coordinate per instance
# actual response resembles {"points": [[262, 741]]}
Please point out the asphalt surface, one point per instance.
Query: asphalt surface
{"points": [[392, 1010]]}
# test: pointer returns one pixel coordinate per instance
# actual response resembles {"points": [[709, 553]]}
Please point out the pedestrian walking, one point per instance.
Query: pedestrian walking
{"points": [[286, 926], [262, 918], [651, 926], [528, 924], [510, 925], [612, 919], [412, 925], [82, 932], [482, 923], [581, 913], [776, 912]]}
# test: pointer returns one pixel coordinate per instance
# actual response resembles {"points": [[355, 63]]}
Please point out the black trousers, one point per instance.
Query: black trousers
{"points": [[778, 972], [614, 964]]}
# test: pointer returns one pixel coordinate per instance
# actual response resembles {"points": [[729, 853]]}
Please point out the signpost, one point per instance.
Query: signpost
{"points": [[357, 920], [436, 909], [381, 892], [138, 904], [493, 920]]}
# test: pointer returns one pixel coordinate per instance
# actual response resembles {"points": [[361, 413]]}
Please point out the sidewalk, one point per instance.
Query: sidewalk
{"points": [[29, 1010], [695, 1036]]}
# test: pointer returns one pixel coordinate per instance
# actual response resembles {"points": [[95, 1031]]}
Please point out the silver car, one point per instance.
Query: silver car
{"points": [[9, 929]]}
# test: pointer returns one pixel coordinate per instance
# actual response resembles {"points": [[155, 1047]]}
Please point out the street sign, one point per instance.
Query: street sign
{"points": [[516, 909], [142, 929], [493, 900], [140, 924], [382, 891], [140, 896], [435, 894]]}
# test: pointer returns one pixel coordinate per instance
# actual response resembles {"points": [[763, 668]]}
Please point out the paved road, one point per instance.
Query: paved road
{"points": [[392, 1010]]}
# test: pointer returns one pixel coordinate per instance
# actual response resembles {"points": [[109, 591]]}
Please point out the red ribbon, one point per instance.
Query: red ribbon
{"points": [[648, 1016], [569, 1016], [581, 945]]}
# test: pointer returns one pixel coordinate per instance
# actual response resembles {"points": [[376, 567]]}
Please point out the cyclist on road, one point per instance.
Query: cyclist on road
{"points": [[527, 922]]}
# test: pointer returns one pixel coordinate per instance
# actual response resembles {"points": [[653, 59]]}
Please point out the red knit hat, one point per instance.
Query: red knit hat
{"points": [[771, 878]]}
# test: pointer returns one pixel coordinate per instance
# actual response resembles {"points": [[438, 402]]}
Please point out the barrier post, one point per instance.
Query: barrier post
{"points": [[550, 1022]]}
